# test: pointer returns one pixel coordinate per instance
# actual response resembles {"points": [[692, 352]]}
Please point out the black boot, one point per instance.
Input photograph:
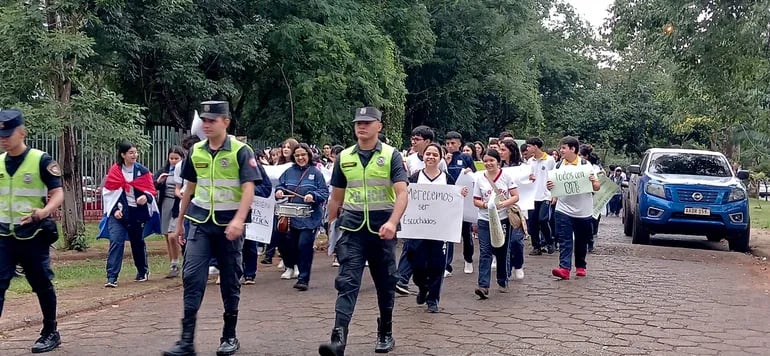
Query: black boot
{"points": [[385, 341], [49, 338], [229, 343], [337, 345], [186, 345]]}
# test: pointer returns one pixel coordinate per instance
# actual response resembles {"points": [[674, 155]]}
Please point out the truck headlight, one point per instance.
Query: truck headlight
{"points": [[736, 194], [655, 189]]}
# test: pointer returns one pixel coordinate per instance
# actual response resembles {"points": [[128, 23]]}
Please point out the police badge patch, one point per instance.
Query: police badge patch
{"points": [[224, 163], [27, 178], [381, 161], [54, 169]]}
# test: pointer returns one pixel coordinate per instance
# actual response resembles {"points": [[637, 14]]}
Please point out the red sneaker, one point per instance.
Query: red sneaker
{"points": [[560, 272], [581, 272]]}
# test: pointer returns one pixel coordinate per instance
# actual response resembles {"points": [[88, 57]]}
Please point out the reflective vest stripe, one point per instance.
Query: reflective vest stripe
{"points": [[219, 206], [370, 182], [220, 183]]}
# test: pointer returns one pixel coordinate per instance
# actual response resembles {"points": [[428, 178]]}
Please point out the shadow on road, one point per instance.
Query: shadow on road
{"points": [[696, 242]]}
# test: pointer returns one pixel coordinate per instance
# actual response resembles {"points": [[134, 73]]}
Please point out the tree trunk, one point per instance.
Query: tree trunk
{"points": [[72, 208]]}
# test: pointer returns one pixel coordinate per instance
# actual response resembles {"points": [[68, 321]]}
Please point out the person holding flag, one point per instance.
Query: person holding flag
{"points": [[130, 213]]}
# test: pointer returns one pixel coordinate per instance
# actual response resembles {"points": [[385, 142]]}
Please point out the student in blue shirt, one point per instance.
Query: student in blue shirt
{"points": [[460, 162]]}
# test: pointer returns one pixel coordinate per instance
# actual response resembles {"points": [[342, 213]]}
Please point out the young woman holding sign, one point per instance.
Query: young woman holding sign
{"points": [[493, 179], [427, 257]]}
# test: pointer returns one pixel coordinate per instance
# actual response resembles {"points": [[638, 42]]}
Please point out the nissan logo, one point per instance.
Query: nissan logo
{"points": [[697, 196]]}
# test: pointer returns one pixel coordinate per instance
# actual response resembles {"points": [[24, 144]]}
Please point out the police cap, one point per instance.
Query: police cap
{"points": [[9, 121], [215, 109], [368, 114]]}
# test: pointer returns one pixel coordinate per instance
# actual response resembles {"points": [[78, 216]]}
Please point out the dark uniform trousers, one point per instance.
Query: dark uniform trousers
{"points": [[353, 249], [428, 262], [205, 241], [34, 256]]}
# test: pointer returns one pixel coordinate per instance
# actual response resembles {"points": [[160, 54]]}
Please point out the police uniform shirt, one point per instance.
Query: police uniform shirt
{"points": [[247, 170], [397, 174], [50, 173]]}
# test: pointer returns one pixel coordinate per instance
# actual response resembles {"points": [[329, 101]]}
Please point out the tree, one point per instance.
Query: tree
{"points": [[47, 78]]}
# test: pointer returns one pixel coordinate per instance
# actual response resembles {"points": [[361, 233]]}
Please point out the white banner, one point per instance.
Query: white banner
{"points": [[470, 212], [434, 212], [526, 189], [260, 229], [275, 172], [571, 180]]}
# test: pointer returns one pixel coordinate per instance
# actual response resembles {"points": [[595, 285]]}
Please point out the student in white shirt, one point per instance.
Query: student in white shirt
{"points": [[573, 215], [504, 185], [422, 136], [538, 222]]}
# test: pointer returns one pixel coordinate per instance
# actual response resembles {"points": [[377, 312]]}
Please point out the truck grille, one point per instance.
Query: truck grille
{"points": [[685, 195]]}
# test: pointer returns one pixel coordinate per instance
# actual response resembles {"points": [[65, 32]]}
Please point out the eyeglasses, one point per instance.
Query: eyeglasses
{"points": [[298, 155], [417, 139]]}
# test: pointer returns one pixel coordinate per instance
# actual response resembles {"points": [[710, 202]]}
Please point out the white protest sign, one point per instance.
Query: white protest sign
{"points": [[571, 180], [260, 229], [275, 172], [327, 174], [526, 189], [470, 212], [434, 212]]}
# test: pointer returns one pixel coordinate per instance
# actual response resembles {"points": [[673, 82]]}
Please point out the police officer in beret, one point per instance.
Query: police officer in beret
{"points": [[30, 191], [221, 173], [370, 185]]}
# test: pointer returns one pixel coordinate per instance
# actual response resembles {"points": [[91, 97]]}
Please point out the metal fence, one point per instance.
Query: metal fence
{"points": [[93, 166]]}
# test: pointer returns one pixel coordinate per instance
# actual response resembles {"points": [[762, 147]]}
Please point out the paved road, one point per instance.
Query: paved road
{"points": [[636, 300]]}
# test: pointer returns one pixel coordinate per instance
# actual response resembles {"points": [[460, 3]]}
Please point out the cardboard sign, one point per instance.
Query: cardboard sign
{"points": [[604, 194], [571, 180], [526, 189], [434, 212], [260, 229]]}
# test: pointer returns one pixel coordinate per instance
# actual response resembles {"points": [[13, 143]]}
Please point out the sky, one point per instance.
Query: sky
{"points": [[594, 11]]}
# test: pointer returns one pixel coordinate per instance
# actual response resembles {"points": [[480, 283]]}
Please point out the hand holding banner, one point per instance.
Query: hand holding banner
{"points": [[434, 212], [571, 180], [260, 228]]}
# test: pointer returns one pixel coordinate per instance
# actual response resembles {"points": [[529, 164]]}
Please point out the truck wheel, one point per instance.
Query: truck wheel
{"points": [[639, 235], [740, 241], [628, 223]]}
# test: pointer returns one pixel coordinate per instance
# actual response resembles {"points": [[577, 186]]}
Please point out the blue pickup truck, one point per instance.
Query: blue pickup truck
{"points": [[686, 192]]}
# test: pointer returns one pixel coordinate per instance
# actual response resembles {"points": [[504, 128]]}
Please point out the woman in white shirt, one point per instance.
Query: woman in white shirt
{"points": [[426, 257], [506, 187]]}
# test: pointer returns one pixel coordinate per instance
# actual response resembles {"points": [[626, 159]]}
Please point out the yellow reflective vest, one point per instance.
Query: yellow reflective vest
{"points": [[368, 188], [19, 194]]}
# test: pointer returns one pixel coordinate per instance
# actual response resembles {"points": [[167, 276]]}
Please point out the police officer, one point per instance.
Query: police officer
{"points": [[369, 184], [221, 173], [27, 178]]}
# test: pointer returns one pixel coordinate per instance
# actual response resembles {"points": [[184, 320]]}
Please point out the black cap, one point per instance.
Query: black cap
{"points": [[9, 121], [214, 109], [368, 114]]}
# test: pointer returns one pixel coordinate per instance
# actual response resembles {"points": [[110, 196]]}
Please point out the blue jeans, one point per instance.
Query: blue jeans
{"points": [[516, 247], [297, 250], [486, 251], [249, 258], [404, 268], [119, 233], [582, 228]]}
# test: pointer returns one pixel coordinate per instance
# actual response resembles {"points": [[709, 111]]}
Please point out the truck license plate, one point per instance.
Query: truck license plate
{"points": [[697, 211]]}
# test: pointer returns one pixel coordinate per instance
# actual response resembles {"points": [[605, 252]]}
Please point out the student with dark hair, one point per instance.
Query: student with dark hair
{"points": [[493, 179], [459, 163], [573, 216], [169, 203], [470, 150], [538, 224]]}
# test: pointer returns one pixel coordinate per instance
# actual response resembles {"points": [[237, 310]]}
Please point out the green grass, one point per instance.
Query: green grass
{"points": [[760, 213], [73, 274], [91, 230]]}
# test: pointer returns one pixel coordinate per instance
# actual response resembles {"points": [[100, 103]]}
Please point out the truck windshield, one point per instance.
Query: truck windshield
{"points": [[691, 164]]}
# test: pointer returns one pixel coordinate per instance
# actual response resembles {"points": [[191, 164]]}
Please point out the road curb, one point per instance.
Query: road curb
{"points": [[88, 306]]}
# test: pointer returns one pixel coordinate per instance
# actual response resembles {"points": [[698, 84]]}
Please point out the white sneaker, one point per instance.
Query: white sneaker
{"points": [[494, 263], [447, 274], [366, 264], [213, 270], [281, 265], [518, 274], [335, 263], [468, 268], [295, 273], [287, 274]]}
